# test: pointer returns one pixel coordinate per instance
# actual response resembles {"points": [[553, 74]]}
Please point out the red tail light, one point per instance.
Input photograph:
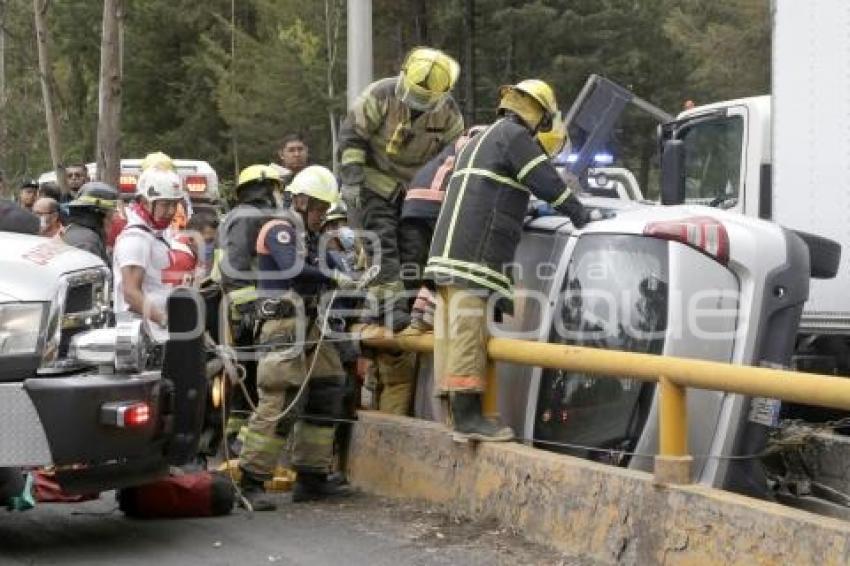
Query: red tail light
{"points": [[127, 183], [126, 414], [699, 232], [196, 183]]}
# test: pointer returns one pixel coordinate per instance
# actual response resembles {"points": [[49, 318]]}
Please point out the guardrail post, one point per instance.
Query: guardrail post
{"points": [[672, 464], [490, 403]]}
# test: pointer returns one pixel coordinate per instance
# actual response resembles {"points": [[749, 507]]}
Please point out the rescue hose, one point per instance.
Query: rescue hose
{"points": [[367, 278]]}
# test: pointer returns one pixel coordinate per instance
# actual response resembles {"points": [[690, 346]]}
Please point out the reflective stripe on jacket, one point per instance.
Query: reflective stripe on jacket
{"points": [[480, 223], [428, 188]]}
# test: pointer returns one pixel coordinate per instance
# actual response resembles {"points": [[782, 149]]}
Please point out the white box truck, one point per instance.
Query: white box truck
{"points": [[785, 157]]}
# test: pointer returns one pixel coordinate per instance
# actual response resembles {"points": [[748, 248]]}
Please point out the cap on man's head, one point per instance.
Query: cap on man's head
{"points": [[13, 218], [30, 184]]}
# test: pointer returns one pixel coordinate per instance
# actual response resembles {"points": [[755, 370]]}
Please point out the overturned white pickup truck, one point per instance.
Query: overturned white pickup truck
{"points": [[688, 281]]}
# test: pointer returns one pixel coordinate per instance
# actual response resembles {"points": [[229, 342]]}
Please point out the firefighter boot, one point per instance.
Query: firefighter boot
{"points": [[311, 486], [254, 491], [470, 424]]}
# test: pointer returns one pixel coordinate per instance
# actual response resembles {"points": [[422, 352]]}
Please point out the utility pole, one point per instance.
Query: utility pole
{"points": [[234, 143], [109, 99], [3, 128], [46, 75], [359, 47]]}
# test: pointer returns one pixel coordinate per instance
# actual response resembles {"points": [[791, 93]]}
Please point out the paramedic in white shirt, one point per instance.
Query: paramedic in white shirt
{"points": [[142, 250]]}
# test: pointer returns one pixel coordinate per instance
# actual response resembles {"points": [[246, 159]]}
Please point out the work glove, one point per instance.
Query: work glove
{"points": [[345, 282], [351, 196], [352, 176], [575, 210]]}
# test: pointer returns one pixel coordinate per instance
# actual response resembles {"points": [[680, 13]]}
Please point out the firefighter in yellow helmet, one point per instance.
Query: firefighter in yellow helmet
{"points": [[235, 266], [292, 279], [395, 127], [158, 160], [476, 236]]}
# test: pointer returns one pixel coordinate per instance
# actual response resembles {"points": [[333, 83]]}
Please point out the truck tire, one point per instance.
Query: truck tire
{"points": [[824, 255]]}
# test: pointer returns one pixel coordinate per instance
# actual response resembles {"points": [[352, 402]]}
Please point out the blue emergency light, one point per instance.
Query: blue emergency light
{"points": [[599, 158]]}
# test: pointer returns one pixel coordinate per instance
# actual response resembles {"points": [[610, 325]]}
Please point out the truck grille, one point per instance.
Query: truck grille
{"points": [[84, 304], [79, 298]]}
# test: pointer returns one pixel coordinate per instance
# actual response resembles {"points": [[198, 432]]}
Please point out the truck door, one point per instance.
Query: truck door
{"points": [[715, 151]]}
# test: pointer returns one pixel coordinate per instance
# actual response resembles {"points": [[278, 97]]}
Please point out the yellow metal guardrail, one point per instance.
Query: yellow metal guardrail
{"points": [[674, 376]]}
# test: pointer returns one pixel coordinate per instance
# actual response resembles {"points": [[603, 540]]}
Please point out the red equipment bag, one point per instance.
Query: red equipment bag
{"points": [[196, 494], [47, 490]]}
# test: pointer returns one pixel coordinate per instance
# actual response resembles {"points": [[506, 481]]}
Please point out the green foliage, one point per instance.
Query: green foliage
{"points": [[726, 46], [186, 94]]}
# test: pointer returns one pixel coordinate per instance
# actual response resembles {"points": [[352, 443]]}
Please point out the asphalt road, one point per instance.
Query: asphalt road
{"points": [[352, 531]]}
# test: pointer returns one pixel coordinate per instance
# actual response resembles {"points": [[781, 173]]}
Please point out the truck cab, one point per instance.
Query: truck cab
{"points": [[728, 155], [99, 402]]}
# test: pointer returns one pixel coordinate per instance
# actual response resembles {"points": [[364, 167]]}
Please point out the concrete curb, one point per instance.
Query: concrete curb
{"points": [[582, 508]]}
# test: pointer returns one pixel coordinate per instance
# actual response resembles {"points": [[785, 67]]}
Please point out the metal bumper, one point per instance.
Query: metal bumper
{"points": [[57, 421]]}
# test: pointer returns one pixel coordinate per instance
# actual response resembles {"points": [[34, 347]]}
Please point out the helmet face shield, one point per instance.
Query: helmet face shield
{"points": [[418, 97], [427, 76], [554, 139]]}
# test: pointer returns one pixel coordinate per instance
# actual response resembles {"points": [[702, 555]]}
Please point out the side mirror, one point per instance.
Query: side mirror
{"points": [[673, 172]]}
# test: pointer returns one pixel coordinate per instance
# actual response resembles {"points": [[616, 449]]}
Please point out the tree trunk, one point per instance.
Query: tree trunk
{"points": [[46, 75], [469, 67], [420, 22], [109, 106], [333, 17]]}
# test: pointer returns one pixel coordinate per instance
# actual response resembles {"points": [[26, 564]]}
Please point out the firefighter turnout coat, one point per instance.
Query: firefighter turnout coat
{"points": [[481, 221], [391, 142]]}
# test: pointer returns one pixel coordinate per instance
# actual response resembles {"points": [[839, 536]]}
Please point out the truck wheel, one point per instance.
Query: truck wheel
{"points": [[824, 255]]}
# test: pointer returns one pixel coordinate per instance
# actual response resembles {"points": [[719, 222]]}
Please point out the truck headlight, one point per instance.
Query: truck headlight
{"points": [[21, 328]]}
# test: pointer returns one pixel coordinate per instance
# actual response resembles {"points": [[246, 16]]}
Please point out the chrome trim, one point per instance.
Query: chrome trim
{"points": [[58, 321], [132, 345]]}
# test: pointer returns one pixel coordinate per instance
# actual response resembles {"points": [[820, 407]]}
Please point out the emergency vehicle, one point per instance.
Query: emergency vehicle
{"points": [[199, 179], [100, 402]]}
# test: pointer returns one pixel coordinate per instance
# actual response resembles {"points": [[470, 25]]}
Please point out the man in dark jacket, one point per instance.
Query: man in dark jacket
{"points": [[476, 237], [88, 216], [236, 268]]}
